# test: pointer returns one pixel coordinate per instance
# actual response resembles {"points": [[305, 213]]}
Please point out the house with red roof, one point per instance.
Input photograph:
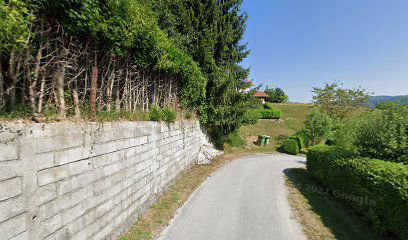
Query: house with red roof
{"points": [[261, 95]]}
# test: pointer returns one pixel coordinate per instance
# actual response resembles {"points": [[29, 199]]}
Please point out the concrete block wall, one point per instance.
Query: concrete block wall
{"points": [[87, 181]]}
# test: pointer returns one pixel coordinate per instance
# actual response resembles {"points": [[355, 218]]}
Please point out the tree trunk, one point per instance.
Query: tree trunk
{"points": [[109, 90], [75, 99], [2, 100], [41, 96], [60, 77], [34, 80], [13, 76], [94, 82], [117, 101]]}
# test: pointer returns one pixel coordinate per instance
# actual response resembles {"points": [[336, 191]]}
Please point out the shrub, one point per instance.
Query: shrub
{"points": [[156, 114], [317, 127], [252, 116], [169, 115], [375, 188], [270, 113], [269, 105], [299, 140], [235, 140], [188, 115], [385, 135], [345, 133], [303, 137], [291, 146]]}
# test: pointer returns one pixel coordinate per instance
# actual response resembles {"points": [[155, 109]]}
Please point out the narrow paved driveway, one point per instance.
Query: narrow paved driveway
{"points": [[244, 200]]}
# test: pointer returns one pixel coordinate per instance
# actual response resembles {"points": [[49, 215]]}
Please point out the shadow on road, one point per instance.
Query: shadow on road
{"points": [[316, 207]]}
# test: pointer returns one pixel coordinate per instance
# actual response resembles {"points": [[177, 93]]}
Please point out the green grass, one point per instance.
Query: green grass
{"points": [[292, 119], [321, 215]]}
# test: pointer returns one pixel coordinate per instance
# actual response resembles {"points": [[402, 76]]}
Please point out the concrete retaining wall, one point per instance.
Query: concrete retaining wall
{"points": [[87, 181]]}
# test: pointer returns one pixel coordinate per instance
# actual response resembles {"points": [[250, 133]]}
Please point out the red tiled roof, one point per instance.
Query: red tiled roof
{"points": [[260, 95]]}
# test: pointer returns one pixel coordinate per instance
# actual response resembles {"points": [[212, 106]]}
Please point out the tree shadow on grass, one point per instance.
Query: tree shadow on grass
{"points": [[340, 220]]}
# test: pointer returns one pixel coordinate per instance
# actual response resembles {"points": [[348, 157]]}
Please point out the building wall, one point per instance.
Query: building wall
{"points": [[90, 180]]}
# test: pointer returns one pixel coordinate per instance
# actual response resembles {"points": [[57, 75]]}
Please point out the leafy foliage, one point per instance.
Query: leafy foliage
{"points": [[344, 133], [291, 146], [211, 32], [273, 113], [269, 105], [375, 188], [317, 127], [235, 140], [14, 24], [385, 135], [169, 115], [339, 102], [252, 116], [300, 140], [156, 114], [276, 95]]}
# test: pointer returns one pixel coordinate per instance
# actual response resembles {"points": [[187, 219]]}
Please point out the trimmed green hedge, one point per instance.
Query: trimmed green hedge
{"points": [[375, 188], [252, 116], [294, 144], [299, 140], [269, 105], [291, 146], [269, 113]]}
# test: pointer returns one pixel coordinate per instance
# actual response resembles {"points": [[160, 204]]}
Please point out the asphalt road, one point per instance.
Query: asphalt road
{"points": [[244, 200]]}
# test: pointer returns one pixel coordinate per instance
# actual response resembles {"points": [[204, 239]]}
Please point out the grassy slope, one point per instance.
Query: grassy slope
{"points": [[293, 116]]}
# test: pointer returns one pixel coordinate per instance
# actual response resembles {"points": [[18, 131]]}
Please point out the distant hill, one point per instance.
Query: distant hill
{"points": [[373, 101]]}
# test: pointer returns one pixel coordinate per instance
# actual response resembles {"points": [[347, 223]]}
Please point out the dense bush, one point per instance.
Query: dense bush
{"points": [[155, 114], [269, 105], [169, 115], [385, 135], [317, 127], [291, 146], [252, 116], [303, 137], [375, 188], [300, 140], [344, 133], [273, 113], [294, 144], [235, 140]]}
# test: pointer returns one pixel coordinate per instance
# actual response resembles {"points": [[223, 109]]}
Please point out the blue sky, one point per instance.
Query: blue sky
{"points": [[298, 44]]}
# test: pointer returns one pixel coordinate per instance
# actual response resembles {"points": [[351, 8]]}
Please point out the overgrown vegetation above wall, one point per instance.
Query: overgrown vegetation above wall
{"points": [[138, 64], [168, 53]]}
